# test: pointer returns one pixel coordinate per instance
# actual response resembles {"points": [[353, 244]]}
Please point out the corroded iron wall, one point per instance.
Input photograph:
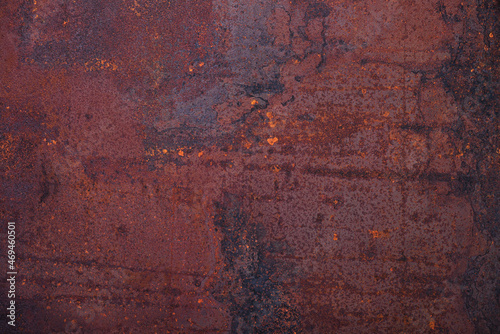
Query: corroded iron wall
{"points": [[244, 166]]}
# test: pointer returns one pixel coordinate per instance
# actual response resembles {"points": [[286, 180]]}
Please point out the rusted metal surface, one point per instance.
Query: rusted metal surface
{"points": [[251, 166]]}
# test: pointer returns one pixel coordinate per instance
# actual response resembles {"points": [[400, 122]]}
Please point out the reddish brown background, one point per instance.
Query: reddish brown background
{"points": [[244, 166]]}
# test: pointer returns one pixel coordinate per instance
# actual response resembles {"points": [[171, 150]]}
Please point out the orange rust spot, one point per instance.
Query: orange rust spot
{"points": [[181, 153], [200, 154], [100, 64], [432, 324], [335, 236], [254, 102], [272, 141], [377, 234]]}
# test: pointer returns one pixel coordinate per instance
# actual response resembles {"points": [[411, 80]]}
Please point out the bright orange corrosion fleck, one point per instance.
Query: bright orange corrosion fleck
{"points": [[254, 102], [432, 324], [335, 236], [377, 234], [181, 153], [247, 144], [272, 141], [100, 64]]}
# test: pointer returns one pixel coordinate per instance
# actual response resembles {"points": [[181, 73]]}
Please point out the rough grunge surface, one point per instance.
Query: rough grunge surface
{"points": [[251, 166]]}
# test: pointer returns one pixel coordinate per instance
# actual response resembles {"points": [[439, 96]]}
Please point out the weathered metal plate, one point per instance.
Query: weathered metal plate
{"points": [[243, 166]]}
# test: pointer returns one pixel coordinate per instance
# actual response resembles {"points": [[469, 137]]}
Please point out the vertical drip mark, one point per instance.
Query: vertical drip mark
{"points": [[212, 242], [404, 191]]}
